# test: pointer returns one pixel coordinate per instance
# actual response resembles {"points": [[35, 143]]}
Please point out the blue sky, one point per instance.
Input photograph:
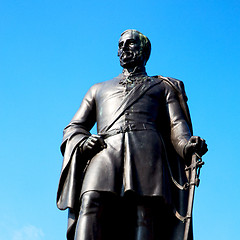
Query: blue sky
{"points": [[53, 51]]}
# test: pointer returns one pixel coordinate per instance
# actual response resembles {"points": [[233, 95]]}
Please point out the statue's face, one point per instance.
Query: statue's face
{"points": [[130, 50]]}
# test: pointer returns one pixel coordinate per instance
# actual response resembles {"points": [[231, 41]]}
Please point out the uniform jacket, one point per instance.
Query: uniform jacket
{"points": [[145, 143]]}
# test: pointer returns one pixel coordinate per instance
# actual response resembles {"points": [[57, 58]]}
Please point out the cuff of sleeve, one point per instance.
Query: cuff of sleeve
{"points": [[182, 145], [80, 145]]}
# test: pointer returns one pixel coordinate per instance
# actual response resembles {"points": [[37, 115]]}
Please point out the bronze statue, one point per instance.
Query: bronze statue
{"points": [[129, 180]]}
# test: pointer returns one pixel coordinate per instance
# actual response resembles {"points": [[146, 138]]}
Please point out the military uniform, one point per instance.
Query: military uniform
{"points": [[140, 141]]}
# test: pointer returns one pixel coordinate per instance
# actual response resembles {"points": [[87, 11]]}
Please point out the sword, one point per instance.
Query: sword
{"points": [[194, 168]]}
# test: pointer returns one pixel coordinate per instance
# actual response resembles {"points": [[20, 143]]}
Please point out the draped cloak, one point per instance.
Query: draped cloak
{"points": [[145, 145]]}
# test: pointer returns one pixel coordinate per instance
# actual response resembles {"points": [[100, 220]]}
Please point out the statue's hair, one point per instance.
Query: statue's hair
{"points": [[145, 42]]}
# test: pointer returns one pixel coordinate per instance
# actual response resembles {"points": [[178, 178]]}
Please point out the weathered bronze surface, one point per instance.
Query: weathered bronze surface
{"points": [[129, 181]]}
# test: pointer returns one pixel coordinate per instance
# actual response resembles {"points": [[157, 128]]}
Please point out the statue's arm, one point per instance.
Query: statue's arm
{"points": [[184, 143], [83, 121], [180, 131], [74, 134], [77, 133], [78, 130]]}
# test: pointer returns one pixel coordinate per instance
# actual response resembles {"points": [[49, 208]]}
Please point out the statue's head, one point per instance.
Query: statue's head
{"points": [[134, 49]]}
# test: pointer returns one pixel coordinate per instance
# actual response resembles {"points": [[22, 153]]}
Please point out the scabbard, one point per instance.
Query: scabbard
{"points": [[192, 184]]}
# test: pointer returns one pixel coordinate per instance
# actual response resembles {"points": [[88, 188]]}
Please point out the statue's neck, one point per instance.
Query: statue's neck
{"points": [[133, 71]]}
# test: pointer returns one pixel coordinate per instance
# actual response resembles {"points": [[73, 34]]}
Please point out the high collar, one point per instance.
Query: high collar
{"points": [[137, 72], [139, 75]]}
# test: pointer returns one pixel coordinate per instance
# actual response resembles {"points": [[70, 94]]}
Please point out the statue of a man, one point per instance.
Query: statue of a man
{"points": [[128, 181]]}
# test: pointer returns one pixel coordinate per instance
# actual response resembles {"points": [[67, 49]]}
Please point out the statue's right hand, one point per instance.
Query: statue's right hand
{"points": [[93, 144]]}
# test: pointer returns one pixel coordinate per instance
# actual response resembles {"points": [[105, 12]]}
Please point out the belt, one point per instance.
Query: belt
{"points": [[128, 128]]}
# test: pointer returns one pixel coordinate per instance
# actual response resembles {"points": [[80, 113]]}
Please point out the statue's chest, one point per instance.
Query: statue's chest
{"points": [[110, 99]]}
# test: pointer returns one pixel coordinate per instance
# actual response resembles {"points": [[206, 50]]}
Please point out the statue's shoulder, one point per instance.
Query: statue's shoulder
{"points": [[109, 84], [101, 87], [176, 84]]}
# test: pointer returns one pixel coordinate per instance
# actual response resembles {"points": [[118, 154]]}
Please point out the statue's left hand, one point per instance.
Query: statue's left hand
{"points": [[195, 145], [92, 145]]}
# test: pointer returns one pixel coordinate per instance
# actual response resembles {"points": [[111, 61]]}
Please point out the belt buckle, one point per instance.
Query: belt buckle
{"points": [[132, 127]]}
